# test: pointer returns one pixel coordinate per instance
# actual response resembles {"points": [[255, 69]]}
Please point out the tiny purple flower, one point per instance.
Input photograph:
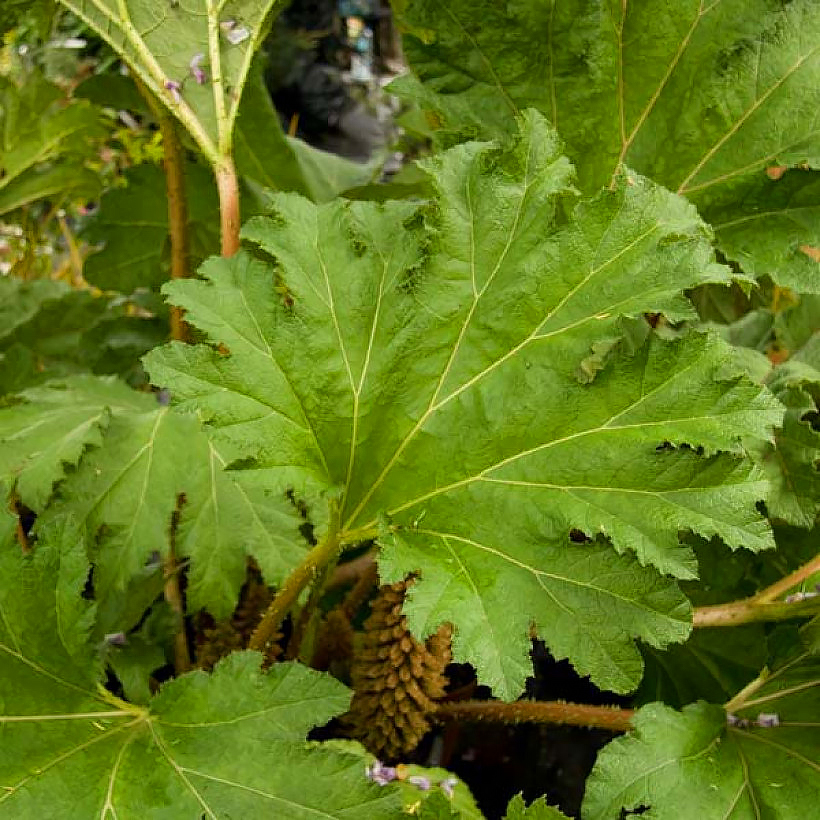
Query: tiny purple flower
{"points": [[378, 773], [197, 70], [116, 639], [174, 87], [420, 782], [448, 785], [768, 720]]}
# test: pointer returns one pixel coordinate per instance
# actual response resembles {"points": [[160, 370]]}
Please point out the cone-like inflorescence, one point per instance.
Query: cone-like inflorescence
{"points": [[397, 680], [334, 646], [233, 633]]}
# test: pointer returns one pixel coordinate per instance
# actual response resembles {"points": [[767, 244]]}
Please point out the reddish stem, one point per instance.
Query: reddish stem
{"points": [[228, 186], [612, 718], [177, 213]]}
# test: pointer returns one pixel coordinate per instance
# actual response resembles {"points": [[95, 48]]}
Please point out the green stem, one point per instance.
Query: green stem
{"points": [[173, 595], [751, 610], [792, 580], [312, 566], [738, 701], [532, 711], [310, 616], [223, 125]]}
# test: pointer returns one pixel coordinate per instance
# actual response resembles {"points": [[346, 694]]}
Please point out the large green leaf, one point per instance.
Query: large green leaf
{"points": [[230, 744], [161, 42], [423, 367], [132, 225], [50, 330], [763, 761], [50, 430], [700, 96], [44, 141], [712, 665], [134, 463]]}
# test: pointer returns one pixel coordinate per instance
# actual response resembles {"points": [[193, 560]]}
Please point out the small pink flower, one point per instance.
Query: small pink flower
{"points": [[196, 69], [174, 87]]}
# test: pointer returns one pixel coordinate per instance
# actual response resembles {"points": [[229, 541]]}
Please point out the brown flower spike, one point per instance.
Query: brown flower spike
{"points": [[233, 633], [397, 680]]}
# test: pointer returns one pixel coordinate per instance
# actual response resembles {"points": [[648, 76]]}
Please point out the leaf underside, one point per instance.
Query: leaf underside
{"points": [[160, 41], [421, 363]]}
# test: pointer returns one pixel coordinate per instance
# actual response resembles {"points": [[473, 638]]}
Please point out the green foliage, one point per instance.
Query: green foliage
{"points": [[138, 463], [132, 226], [537, 810], [23, 13], [44, 144], [439, 802], [788, 334], [700, 97], [529, 383], [266, 157], [416, 370], [761, 760], [204, 745], [50, 330]]}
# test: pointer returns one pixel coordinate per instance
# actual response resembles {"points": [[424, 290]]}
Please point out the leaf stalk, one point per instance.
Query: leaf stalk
{"points": [[790, 581], [311, 568], [752, 610], [558, 712], [173, 596], [173, 164], [228, 187]]}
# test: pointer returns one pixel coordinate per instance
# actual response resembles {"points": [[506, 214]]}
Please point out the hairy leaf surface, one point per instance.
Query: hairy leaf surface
{"points": [[700, 96], [221, 745], [426, 371], [691, 764]]}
